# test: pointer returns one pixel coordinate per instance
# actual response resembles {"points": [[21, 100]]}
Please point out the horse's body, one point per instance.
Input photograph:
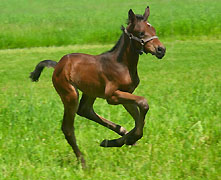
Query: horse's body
{"points": [[112, 76], [101, 75]]}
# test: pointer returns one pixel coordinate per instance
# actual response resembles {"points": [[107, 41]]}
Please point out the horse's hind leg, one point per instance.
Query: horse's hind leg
{"points": [[69, 97], [86, 110]]}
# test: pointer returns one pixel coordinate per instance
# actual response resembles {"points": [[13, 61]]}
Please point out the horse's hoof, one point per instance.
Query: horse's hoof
{"points": [[82, 162], [110, 143], [104, 143]]}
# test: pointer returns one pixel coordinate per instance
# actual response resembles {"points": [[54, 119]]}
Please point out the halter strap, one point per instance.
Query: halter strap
{"points": [[141, 41]]}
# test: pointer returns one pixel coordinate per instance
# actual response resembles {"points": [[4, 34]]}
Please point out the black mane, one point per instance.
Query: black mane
{"points": [[117, 44], [140, 18]]}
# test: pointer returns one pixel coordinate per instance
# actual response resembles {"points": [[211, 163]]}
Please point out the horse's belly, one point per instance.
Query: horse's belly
{"points": [[89, 81], [91, 88]]}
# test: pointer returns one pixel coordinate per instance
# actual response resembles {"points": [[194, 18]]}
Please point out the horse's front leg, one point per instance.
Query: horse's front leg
{"points": [[130, 102], [133, 110]]}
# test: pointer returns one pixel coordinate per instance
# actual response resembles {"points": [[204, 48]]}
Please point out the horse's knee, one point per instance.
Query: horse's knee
{"points": [[142, 103]]}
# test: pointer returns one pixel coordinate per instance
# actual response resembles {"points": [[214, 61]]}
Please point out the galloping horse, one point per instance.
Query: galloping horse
{"points": [[111, 75]]}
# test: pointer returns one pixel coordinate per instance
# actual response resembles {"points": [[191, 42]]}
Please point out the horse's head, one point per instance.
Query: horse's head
{"points": [[143, 34]]}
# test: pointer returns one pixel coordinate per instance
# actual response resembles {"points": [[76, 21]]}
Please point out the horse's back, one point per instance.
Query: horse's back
{"points": [[82, 71]]}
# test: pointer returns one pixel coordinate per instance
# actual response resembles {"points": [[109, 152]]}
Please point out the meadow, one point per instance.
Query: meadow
{"points": [[181, 137], [183, 129]]}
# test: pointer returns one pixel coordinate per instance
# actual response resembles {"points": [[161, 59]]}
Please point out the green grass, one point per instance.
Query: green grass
{"points": [[181, 137], [53, 23]]}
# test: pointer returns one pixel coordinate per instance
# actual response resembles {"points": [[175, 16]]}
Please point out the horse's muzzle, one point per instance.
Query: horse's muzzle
{"points": [[160, 52]]}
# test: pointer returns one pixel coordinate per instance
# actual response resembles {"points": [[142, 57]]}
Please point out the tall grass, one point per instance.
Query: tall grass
{"points": [[181, 136], [26, 23]]}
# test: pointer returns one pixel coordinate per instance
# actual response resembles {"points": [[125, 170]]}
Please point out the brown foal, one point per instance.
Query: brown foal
{"points": [[112, 76]]}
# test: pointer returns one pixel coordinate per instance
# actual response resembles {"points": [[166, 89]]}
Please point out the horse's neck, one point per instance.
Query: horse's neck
{"points": [[126, 54]]}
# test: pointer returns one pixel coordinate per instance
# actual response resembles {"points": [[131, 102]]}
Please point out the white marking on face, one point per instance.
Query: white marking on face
{"points": [[149, 24]]}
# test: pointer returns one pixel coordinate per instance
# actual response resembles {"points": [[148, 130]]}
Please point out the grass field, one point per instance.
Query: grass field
{"points": [[181, 137], [26, 23]]}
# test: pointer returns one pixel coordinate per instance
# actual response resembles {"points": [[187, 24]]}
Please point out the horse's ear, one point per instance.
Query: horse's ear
{"points": [[132, 17], [146, 13]]}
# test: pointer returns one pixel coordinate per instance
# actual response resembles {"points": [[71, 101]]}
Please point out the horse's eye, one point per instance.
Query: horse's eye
{"points": [[141, 34]]}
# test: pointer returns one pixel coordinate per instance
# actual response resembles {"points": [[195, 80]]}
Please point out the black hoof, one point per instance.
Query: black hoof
{"points": [[110, 143], [104, 143], [82, 162]]}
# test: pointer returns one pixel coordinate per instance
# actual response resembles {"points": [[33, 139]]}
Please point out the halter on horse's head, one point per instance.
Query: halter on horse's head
{"points": [[142, 34]]}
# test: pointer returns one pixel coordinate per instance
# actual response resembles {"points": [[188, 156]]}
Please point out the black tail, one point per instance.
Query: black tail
{"points": [[39, 68]]}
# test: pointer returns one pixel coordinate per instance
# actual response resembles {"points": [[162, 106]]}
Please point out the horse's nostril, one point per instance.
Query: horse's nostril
{"points": [[159, 49]]}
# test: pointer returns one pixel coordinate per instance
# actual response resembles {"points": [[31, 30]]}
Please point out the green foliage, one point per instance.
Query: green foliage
{"points": [[26, 23], [181, 136]]}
